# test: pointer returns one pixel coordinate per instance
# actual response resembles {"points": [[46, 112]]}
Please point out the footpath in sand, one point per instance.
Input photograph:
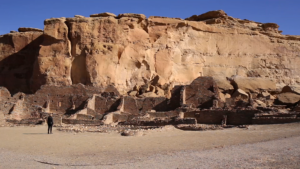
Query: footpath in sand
{"points": [[260, 146]]}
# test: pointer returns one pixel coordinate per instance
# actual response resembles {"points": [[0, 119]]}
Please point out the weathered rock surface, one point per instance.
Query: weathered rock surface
{"points": [[208, 15], [105, 14], [254, 84], [130, 50], [139, 16], [18, 54], [54, 62], [223, 83], [79, 16], [288, 98], [23, 29], [240, 93]]}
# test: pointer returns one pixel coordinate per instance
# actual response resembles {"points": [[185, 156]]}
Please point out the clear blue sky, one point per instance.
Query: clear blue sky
{"points": [[32, 13]]}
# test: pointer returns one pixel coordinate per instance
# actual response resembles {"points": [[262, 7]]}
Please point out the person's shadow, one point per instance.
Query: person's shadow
{"points": [[34, 133]]}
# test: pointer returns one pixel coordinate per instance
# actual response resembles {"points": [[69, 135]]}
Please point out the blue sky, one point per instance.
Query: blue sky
{"points": [[32, 13]]}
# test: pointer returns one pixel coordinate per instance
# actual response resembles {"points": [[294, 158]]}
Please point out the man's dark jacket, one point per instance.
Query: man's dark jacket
{"points": [[50, 121]]}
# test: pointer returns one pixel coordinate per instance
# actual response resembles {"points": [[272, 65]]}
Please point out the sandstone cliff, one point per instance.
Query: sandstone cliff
{"points": [[131, 51]]}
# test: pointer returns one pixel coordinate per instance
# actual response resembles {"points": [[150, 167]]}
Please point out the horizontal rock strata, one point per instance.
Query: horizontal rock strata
{"points": [[130, 50]]}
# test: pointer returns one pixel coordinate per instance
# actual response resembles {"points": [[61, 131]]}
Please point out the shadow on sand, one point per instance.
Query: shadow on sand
{"points": [[34, 133]]}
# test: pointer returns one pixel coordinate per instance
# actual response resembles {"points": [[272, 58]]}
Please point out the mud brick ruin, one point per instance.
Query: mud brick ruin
{"points": [[197, 103], [132, 70]]}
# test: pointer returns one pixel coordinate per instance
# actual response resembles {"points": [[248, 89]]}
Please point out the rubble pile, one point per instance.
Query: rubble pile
{"points": [[80, 128], [198, 106]]}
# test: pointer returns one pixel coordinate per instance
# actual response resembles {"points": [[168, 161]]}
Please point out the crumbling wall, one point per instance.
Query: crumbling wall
{"points": [[176, 99], [61, 99], [201, 93], [137, 106], [106, 104], [234, 117]]}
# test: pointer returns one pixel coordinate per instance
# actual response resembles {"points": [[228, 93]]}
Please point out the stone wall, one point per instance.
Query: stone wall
{"points": [[86, 122], [234, 117], [81, 104], [201, 93]]}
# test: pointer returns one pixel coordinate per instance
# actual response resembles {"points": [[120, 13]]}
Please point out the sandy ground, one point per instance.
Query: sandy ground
{"points": [[261, 146]]}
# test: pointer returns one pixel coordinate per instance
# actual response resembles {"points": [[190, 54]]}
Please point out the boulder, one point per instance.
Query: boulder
{"points": [[223, 96], [286, 89], [207, 15], [227, 96], [240, 93], [260, 103], [270, 25], [255, 85], [296, 88], [149, 94], [23, 29], [132, 133], [133, 93], [223, 83], [160, 92], [271, 28], [139, 16], [288, 98], [265, 94], [269, 103], [270, 97], [79, 16], [105, 14], [291, 88]]}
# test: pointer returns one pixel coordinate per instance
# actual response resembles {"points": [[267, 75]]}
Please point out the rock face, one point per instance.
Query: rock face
{"points": [[130, 50], [18, 54], [54, 61]]}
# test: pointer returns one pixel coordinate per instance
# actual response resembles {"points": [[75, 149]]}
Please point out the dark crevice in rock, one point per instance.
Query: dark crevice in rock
{"points": [[79, 72]]}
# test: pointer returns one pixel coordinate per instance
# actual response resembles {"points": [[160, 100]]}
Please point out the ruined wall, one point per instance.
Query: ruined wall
{"points": [[201, 93], [106, 104], [60, 100], [11, 107], [130, 50], [234, 117], [136, 106]]}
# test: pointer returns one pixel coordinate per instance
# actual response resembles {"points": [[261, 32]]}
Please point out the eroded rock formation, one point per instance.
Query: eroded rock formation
{"points": [[129, 50]]}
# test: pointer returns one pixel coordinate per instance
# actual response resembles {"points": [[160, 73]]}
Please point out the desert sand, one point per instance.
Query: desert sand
{"points": [[259, 146]]}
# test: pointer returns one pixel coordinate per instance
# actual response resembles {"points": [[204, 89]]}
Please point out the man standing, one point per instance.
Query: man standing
{"points": [[50, 123]]}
